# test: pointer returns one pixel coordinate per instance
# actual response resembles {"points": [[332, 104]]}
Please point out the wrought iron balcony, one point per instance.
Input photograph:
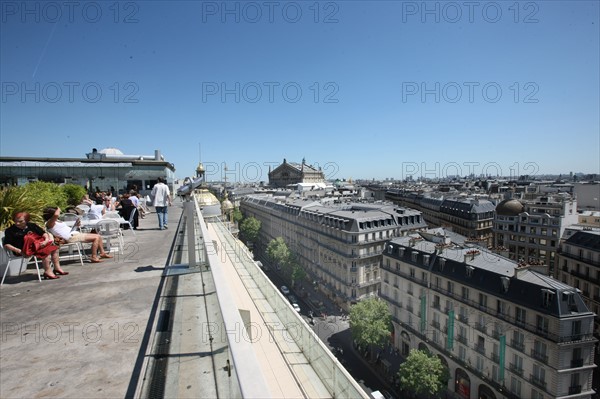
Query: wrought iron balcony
{"points": [[539, 356], [537, 381], [515, 369]]}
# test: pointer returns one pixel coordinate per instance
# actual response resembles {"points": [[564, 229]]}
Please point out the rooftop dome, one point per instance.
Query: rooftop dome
{"points": [[111, 151], [509, 207]]}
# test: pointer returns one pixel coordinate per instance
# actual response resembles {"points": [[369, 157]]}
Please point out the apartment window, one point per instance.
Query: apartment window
{"points": [[542, 324], [438, 282], [518, 340], [495, 352], [436, 301], [412, 272], [479, 363], [536, 395], [450, 287], [520, 315], [495, 373], [462, 353], [501, 307], [410, 289], [576, 328], [540, 351], [465, 293], [462, 334], [515, 386], [482, 300], [424, 277], [539, 374], [449, 306]]}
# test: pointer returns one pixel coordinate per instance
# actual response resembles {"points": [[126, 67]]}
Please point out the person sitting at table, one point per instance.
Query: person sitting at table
{"points": [[63, 231], [96, 211], [14, 240], [108, 204], [126, 207]]}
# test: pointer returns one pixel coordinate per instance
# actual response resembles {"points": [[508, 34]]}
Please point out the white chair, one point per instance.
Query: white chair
{"points": [[131, 218], [112, 215], [110, 229], [78, 245], [69, 217], [21, 260]]}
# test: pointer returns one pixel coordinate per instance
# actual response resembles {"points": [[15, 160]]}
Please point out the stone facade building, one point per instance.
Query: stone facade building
{"points": [[502, 329], [293, 173], [339, 245]]}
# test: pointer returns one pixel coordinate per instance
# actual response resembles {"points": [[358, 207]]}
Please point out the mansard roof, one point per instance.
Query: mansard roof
{"points": [[485, 271]]}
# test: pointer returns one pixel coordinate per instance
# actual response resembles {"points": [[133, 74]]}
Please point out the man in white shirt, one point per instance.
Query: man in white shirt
{"points": [[161, 200]]}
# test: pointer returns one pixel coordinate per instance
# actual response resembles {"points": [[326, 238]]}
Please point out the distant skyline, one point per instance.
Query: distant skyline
{"points": [[378, 89]]}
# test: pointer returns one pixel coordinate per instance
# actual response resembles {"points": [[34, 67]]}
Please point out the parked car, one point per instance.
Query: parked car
{"points": [[285, 290], [296, 307], [292, 299]]}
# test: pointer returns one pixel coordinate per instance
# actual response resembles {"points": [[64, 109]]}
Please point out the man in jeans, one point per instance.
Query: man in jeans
{"points": [[162, 199]]}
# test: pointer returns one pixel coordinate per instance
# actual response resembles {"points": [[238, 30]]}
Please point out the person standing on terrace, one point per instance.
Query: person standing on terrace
{"points": [[161, 200]]}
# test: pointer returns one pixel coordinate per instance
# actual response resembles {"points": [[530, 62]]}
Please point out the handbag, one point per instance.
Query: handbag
{"points": [[33, 246]]}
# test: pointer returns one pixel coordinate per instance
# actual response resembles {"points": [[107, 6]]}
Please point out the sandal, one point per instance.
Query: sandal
{"points": [[60, 272], [106, 256], [95, 260]]}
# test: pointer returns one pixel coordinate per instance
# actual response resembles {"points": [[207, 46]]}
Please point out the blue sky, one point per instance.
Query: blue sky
{"points": [[362, 89]]}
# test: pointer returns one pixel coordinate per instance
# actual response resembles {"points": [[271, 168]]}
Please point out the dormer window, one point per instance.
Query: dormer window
{"points": [[442, 263], [390, 249], [425, 260], [547, 296], [414, 256], [505, 283], [469, 269]]}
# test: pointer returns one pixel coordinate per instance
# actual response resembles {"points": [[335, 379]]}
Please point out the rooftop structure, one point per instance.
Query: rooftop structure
{"points": [[105, 168]]}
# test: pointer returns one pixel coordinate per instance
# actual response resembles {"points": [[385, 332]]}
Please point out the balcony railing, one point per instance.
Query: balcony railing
{"points": [[539, 356], [480, 327], [462, 339], [435, 324], [515, 369], [495, 334], [537, 381], [495, 357], [479, 348], [518, 345], [463, 318]]}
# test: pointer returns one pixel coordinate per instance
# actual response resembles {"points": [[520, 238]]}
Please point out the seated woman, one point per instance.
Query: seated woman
{"points": [[126, 207], [66, 233], [14, 240], [108, 204]]}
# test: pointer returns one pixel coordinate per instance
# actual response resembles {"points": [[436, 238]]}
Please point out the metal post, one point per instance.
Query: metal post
{"points": [[188, 210]]}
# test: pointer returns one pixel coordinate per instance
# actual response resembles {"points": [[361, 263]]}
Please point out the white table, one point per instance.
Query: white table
{"points": [[90, 223]]}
